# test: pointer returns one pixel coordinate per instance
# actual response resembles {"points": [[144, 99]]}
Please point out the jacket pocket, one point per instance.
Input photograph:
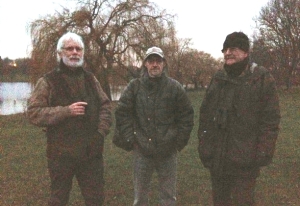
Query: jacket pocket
{"points": [[241, 152], [123, 142]]}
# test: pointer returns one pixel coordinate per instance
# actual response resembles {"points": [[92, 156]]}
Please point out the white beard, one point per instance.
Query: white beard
{"points": [[69, 63]]}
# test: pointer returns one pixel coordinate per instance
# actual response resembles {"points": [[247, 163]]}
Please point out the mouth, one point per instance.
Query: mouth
{"points": [[74, 58], [229, 57], [155, 70]]}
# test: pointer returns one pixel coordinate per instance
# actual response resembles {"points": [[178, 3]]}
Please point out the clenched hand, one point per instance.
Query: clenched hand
{"points": [[78, 108]]}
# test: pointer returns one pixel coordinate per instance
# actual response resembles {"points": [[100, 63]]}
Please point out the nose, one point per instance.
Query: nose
{"points": [[226, 51]]}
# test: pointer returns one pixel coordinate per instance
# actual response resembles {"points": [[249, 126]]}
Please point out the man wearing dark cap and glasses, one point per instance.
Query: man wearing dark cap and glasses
{"points": [[238, 124], [155, 115]]}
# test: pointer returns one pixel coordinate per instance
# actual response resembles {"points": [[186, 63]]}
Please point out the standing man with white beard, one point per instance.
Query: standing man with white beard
{"points": [[238, 124], [71, 104]]}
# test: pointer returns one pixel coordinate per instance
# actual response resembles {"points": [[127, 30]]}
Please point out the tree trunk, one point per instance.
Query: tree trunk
{"points": [[106, 89], [105, 85], [289, 79]]}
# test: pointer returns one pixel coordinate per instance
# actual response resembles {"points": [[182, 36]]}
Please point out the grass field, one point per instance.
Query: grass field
{"points": [[24, 178]]}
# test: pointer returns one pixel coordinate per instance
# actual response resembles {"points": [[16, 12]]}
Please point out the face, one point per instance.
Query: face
{"points": [[72, 54], [233, 55], [154, 65]]}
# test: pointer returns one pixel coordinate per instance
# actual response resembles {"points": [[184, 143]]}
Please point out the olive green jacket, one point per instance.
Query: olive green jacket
{"points": [[239, 120], [156, 115]]}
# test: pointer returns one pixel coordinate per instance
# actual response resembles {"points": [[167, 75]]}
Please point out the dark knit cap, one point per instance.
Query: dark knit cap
{"points": [[237, 39]]}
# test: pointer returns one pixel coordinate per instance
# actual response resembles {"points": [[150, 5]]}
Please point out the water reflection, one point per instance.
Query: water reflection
{"points": [[13, 97]]}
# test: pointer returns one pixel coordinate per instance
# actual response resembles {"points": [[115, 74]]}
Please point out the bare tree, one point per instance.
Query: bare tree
{"points": [[268, 57], [199, 68], [279, 29], [116, 35], [175, 53]]}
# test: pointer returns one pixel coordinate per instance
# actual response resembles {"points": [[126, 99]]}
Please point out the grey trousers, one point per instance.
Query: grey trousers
{"points": [[166, 168]]}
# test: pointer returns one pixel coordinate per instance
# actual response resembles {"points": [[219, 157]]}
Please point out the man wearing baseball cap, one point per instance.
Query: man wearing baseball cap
{"points": [[155, 117], [238, 124]]}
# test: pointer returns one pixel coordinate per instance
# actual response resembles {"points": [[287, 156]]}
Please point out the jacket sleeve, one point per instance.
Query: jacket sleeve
{"points": [[39, 112], [269, 121], [184, 118], [124, 112], [105, 111]]}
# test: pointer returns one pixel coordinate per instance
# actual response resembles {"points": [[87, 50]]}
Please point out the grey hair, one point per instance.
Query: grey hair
{"points": [[65, 37]]}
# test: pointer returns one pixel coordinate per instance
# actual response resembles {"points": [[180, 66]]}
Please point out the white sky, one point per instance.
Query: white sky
{"points": [[206, 22]]}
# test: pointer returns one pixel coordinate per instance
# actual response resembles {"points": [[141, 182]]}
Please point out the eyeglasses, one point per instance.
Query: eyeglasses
{"points": [[230, 49], [157, 60], [71, 48]]}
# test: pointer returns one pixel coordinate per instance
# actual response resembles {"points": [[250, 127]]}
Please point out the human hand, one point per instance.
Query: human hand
{"points": [[78, 108]]}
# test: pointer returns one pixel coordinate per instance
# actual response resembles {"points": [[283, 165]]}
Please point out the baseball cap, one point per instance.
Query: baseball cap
{"points": [[154, 50]]}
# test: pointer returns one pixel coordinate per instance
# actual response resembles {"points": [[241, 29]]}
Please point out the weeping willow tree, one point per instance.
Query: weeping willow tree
{"points": [[116, 34]]}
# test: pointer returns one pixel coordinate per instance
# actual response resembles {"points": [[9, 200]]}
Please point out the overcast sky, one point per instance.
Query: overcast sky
{"points": [[206, 22]]}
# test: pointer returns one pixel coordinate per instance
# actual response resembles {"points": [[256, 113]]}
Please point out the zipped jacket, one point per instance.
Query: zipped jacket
{"points": [[156, 114]]}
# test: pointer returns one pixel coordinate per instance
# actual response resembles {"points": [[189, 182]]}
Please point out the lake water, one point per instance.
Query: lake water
{"points": [[14, 95]]}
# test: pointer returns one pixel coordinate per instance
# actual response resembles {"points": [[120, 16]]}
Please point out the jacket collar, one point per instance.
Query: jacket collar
{"points": [[222, 74]]}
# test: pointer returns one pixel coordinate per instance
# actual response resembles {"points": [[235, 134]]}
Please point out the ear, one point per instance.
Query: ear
{"points": [[145, 62], [60, 54]]}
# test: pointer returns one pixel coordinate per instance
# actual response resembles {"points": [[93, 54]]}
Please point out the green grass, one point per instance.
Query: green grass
{"points": [[18, 77], [24, 178]]}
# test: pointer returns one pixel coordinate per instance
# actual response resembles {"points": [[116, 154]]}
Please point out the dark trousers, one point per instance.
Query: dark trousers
{"points": [[89, 175], [233, 189]]}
